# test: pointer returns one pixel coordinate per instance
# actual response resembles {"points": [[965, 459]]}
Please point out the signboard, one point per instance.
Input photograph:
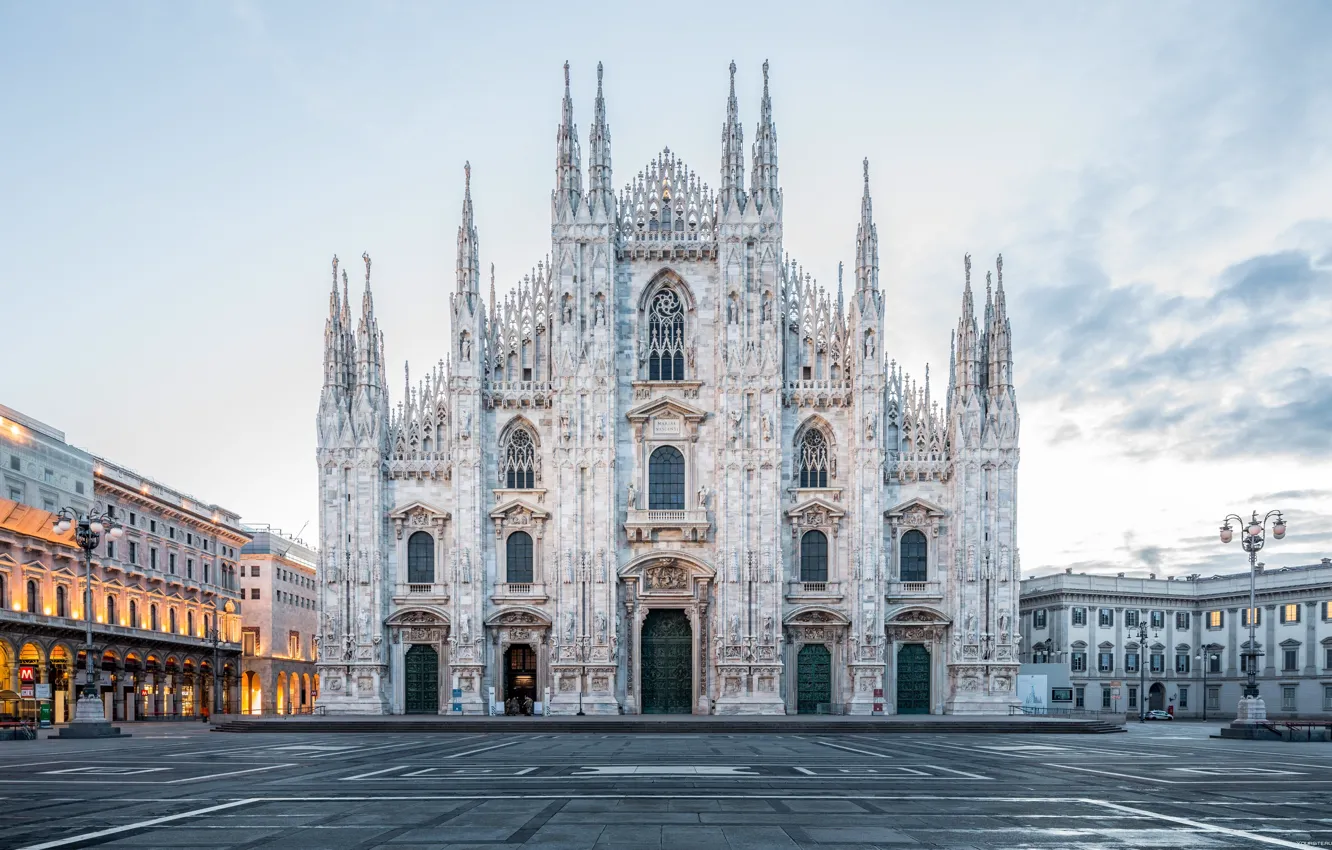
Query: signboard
{"points": [[1114, 693], [1032, 689], [457, 701], [1061, 695], [536, 709], [27, 680], [43, 692]]}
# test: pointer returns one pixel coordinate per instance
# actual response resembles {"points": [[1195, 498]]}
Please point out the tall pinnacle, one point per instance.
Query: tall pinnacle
{"points": [[968, 353], [469, 255], [568, 167], [867, 242], [763, 185], [732, 192], [600, 189]]}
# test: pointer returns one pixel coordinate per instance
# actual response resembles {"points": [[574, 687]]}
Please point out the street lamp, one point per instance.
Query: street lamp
{"points": [[1205, 661], [88, 530], [1252, 540], [1142, 669], [216, 632]]}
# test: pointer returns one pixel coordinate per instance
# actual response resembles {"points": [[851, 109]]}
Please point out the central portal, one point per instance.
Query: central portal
{"points": [[813, 678], [520, 664], [913, 679], [667, 663], [422, 680]]}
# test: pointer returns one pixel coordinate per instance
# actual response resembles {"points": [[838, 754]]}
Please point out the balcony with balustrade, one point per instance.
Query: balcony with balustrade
{"points": [[690, 525], [915, 590], [805, 592], [420, 592], [513, 592]]}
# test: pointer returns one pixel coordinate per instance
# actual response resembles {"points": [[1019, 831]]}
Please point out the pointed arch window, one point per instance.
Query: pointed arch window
{"points": [[914, 557], [421, 558], [518, 460], [666, 480], [813, 459], [666, 359], [518, 558], [814, 556]]}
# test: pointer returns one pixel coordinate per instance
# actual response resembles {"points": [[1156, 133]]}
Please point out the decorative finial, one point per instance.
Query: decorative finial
{"points": [[765, 77], [335, 271], [839, 274], [866, 164], [365, 255], [598, 76], [732, 76], [966, 261], [467, 176], [999, 268], [566, 75]]}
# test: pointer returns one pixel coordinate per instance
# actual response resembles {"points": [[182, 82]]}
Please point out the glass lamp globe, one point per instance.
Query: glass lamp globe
{"points": [[1279, 530], [116, 532], [96, 526], [1255, 529], [1226, 534]]}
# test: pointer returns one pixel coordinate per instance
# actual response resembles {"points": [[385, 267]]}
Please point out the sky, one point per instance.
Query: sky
{"points": [[175, 178]]}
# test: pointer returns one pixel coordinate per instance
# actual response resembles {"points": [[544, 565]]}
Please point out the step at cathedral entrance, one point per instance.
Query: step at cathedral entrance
{"points": [[422, 680], [913, 679], [813, 678], [667, 663]]}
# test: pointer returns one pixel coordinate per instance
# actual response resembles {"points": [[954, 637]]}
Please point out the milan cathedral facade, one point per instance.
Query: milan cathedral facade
{"points": [[668, 472]]}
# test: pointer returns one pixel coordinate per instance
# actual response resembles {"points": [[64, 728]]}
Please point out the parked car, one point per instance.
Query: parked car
{"points": [[1158, 714]]}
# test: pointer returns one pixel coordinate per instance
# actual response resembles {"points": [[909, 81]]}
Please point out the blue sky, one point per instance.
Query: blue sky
{"points": [[1159, 180]]}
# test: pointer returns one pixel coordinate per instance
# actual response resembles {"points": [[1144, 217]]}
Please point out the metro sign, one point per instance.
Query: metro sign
{"points": [[27, 680]]}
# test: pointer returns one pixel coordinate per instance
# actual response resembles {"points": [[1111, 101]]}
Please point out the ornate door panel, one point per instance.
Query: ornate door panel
{"points": [[813, 678], [422, 680], [913, 679], [667, 663]]}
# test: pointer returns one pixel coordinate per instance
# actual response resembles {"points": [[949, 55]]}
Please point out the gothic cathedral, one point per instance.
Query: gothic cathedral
{"points": [[669, 472]]}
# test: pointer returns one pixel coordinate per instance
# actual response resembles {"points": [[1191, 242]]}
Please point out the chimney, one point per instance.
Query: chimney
{"points": [[1152, 576], [1258, 568]]}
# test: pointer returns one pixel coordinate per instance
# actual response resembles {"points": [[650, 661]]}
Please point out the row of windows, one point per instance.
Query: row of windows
{"points": [[1289, 697], [291, 577], [1215, 619], [134, 520], [1105, 661], [666, 467], [34, 604]]}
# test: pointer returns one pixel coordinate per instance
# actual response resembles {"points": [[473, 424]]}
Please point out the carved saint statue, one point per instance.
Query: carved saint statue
{"points": [[735, 628], [767, 425], [871, 421], [971, 626], [565, 427], [466, 348], [633, 495], [732, 311], [570, 628], [736, 417], [601, 426], [703, 496], [599, 315], [869, 346], [601, 627]]}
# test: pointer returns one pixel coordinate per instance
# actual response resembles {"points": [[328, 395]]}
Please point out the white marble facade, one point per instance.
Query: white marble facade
{"points": [[669, 435]]}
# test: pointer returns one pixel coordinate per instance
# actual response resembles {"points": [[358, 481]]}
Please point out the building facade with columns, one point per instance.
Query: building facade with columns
{"points": [[1197, 629], [278, 632], [668, 471], [160, 594]]}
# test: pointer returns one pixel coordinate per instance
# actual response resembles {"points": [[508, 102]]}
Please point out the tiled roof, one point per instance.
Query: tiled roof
{"points": [[33, 522]]}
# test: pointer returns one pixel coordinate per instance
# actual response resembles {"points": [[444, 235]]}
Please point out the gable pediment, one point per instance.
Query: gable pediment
{"points": [[816, 512], [512, 508], [418, 515], [915, 511], [666, 407]]}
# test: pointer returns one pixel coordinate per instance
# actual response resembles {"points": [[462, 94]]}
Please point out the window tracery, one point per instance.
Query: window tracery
{"points": [[666, 347], [814, 459], [518, 460]]}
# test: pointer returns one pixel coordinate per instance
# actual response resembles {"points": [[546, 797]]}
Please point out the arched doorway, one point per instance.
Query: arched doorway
{"points": [[813, 678], [1156, 697], [913, 679], [280, 693], [422, 680], [520, 669], [667, 669]]}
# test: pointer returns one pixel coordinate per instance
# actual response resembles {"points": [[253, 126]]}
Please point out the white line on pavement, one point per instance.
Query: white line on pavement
{"points": [[228, 773], [482, 750], [116, 830], [374, 772], [1207, 827]]}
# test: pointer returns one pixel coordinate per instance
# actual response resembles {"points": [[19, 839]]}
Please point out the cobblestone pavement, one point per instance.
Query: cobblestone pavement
{"points": [[1159, 785]]}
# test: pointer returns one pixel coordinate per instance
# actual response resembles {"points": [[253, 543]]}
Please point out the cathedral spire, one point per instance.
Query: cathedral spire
{"points": [[369, 341], [763, 184], [967, 343], [600, 189], [999, 354], [732, 193], [469, 258], [867, 242], [568, 168], [335, 338]]}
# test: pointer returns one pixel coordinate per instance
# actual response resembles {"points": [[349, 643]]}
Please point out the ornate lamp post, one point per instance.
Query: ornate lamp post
{"points": [[1204, 660], [88, 530], [1254, 535], [1142, 668], [215, 635]]}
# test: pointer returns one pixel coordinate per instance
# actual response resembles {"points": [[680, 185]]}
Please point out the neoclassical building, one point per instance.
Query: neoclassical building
{"points": [[668, 472]]}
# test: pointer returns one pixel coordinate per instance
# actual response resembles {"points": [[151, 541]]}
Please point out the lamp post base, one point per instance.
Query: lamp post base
{"points": [[90, 721], [1251, 711]]}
